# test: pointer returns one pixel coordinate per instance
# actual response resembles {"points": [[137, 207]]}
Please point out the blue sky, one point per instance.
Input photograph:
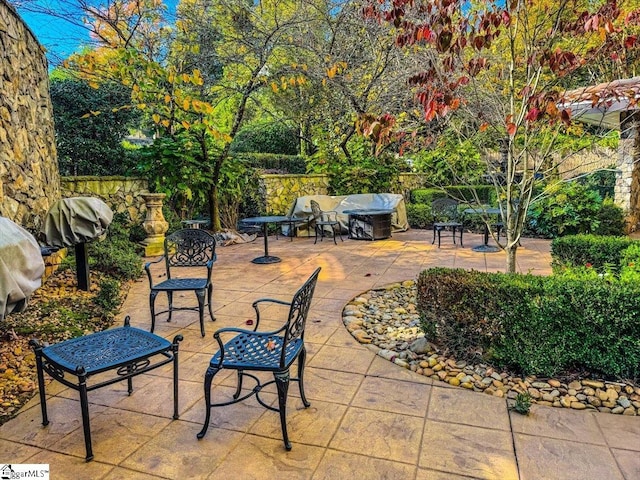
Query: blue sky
{"points": [[60, 37]]}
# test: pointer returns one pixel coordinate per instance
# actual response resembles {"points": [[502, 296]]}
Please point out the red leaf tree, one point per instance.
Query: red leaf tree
{"points": [[497, 73]]}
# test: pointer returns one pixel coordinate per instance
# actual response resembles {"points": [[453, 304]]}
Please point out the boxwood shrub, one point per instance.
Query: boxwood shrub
{"points": [[534, 325], [419, 215], [293, 164], [486, 194], [601, 252]]}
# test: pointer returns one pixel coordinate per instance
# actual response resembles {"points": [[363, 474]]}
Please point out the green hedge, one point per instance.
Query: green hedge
{"points": [[486, 194], [601, 252], [536, 325], [419, 215], [425, 196], [271, 161]]}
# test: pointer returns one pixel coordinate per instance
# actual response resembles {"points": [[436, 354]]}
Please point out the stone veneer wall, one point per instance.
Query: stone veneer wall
{"points": [[627, 189], [29, 178], [282, 190], [122, 194]]}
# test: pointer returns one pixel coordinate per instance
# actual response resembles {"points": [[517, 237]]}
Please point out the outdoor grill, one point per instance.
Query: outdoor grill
{"points": [[21, 267], [73, 222]]}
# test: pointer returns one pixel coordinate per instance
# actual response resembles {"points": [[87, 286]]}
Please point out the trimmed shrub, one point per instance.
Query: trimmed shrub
{"points": [[603, 253], [486, 194], [536, 325], [610, 219], [419, 215], [426, 195], [266, 137], [277, 163]]}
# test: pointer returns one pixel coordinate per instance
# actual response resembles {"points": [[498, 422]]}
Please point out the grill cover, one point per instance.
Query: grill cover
{"points": [[75, 220], [21, 267]]}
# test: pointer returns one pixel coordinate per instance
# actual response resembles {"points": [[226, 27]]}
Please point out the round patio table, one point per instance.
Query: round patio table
{"points": [[264, 221], [485, 247]]}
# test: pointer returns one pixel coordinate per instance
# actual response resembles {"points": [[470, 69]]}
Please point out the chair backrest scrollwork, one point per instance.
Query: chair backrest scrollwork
{"points": [[444, 209], [299, 310], [189, 247]]}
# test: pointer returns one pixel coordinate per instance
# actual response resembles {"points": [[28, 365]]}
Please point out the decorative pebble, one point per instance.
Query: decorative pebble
{"points": [[387, 321]]}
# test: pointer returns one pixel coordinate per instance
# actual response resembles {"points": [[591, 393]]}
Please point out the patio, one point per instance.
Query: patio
{"points": [[368, 417]]}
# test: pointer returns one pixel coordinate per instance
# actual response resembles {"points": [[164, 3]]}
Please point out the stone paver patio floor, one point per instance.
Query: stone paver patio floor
{"points": [[368, 417]]}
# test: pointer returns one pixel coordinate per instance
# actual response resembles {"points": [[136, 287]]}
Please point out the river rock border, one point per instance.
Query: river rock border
{"points": [[386, 320]]}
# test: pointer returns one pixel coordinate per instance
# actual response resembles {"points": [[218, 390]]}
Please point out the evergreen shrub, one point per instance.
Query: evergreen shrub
{"points": [[603, 253], [535, 325]]}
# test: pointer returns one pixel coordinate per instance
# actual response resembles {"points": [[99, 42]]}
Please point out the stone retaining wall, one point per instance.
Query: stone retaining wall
{"points": [[122, 194], [282, 190], [29, 178]]}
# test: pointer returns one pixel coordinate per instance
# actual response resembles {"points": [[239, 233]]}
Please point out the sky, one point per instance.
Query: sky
{"points": [[59, 37]]}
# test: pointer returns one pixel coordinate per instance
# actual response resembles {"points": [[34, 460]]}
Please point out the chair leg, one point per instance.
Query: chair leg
{"points": [[170, 300], [208, 378], [239, 386], [200, 295], [453, 234], [434, 236], [152, 302], [461, 230], [282, 382], [334, 235], [209, 300], [316, 240], [301, 360], [439, 231]]}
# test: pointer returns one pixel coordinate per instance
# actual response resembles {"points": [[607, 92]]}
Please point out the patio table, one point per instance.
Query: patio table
{"points": [[126, 350], [485, 247], [264, 221]]}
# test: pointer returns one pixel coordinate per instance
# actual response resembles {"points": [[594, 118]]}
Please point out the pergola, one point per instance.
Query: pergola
{"points": [[614, 105]]}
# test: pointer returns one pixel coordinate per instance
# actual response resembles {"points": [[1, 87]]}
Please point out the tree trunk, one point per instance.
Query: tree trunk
{"points": [[511, 249], [214, 208]]}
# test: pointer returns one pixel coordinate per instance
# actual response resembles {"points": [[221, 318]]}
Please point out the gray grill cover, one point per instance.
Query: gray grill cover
{"points": [[301, 208], [21, 267], [71, 221]]}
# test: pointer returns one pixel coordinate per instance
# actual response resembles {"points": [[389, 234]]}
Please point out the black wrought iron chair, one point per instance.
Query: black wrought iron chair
{"points": [[325, 218], [445, 214], [273, 351], [185, 248]]}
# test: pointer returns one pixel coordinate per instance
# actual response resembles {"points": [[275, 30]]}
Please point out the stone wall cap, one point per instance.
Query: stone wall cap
{"points": [[294, 175], [84, 178]]}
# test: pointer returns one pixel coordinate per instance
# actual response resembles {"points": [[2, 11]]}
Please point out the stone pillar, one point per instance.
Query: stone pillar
{"points": [[154, 224], [627, 189]]}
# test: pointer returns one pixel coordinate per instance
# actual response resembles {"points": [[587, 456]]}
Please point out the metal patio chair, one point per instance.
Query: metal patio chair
{"points": [[274, 351], [325, 218], [183, 249], [445, 212]]}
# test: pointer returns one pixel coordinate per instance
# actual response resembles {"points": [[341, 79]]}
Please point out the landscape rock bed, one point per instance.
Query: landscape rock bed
{"points": [[387, 321]]}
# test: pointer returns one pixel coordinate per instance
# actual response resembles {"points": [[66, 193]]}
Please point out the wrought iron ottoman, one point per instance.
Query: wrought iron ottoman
{"points": [[127, 350]]}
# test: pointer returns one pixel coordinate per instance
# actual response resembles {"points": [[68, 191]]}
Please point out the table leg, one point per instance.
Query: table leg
{"points": [[84, 406], [174, 349], [266, 240], [485, 247], [266, 258], [43, 397]]}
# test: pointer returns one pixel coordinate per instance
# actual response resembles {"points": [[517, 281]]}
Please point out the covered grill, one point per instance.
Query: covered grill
{"points": [[21, 267], [75, 222]]}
